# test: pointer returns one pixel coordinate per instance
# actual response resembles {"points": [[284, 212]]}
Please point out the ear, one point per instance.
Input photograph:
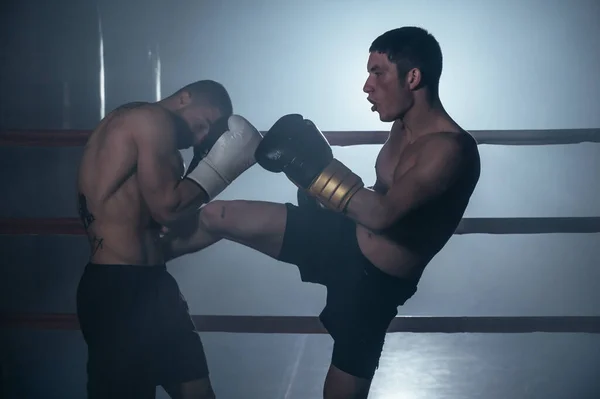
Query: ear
{"points": [[414, 79], [184, 98]]}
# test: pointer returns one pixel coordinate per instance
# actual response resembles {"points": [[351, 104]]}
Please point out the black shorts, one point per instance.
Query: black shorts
{"points": [[138, 331], [361, 299]]}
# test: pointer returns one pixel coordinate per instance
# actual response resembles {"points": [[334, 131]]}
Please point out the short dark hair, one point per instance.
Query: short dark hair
{"points": [[412, 47], [213, 93]]}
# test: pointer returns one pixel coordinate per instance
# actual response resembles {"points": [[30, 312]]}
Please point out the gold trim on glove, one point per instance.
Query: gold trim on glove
{"points": [[336, 186]]}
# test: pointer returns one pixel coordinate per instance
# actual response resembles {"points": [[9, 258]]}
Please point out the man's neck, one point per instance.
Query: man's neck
{"points": [[420, 119], [167, 103]]}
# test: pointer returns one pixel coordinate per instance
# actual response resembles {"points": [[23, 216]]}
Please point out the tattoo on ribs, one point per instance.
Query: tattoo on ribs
{"points": [[96, 243], [84, 213], [87, 218]]}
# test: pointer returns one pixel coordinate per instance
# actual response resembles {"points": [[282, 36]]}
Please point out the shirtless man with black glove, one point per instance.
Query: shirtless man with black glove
{"points": [[368, 246]]}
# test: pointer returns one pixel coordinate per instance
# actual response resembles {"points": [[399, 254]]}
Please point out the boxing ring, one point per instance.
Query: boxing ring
{"points": [[311, 325]]}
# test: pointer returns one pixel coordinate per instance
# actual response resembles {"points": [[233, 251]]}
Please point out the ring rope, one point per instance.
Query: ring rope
{"points": [[312, 325], [75, 138]]}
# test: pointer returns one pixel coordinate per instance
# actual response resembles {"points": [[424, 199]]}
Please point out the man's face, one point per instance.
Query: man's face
{"points": [[390, 97], [199, 118]]}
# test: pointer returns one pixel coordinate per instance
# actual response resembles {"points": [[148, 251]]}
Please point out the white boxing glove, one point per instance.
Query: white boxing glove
{"points": [[230, 156]]}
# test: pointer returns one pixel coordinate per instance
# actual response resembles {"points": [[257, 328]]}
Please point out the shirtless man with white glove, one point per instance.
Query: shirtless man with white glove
{"points": [[131, 183]]}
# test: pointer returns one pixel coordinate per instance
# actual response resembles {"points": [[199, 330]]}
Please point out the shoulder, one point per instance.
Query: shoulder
{"points": [[447, 154], [150, 122], [148, 114], [456, 144]]}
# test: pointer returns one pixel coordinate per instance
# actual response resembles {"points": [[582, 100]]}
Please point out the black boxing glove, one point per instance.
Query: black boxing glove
{"points": [[296, 147]]}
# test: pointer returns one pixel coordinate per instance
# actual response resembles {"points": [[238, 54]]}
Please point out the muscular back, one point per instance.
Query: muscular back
{"points": [[118, 223], [408, 245]]}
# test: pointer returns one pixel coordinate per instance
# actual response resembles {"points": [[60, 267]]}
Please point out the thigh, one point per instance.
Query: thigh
{"points": [[117, 309], [358, 314], [315, 240], [179, 353], [358, 331], [120, 358], [119, 355], [118, 373]]}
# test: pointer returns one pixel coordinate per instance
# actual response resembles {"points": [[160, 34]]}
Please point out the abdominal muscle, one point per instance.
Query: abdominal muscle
{"points": [[389, 257], [124, 244], [123, 231]]}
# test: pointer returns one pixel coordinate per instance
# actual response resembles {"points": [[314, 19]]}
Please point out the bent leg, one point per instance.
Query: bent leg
{"points": [[180, 363], [117, 372], [114, 332], [256, 224]]}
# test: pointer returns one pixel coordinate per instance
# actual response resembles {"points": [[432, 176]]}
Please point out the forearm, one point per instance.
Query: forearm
{"points": [[176, 245], [367, 208], [341, 190], [185, 200]]}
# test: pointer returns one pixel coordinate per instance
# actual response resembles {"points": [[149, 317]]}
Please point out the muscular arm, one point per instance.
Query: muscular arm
{"points": [[159, 167], [438, 165]]}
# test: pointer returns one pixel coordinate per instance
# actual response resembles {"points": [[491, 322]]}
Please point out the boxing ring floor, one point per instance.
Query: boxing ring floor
{"points": [[43, 354], [413, 366]]}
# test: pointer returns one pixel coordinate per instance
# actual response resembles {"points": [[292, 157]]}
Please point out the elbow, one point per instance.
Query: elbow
{"points": [[375, 215], [379, 220], [164, 217], [166, 213], [378, 226], [177, 204]]}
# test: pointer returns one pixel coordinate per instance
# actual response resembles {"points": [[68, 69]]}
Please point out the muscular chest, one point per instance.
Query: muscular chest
{"points": [[392, 162]]}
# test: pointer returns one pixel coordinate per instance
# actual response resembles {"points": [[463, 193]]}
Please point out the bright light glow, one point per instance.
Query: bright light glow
{"points": [[157, 75], [102, 84]]}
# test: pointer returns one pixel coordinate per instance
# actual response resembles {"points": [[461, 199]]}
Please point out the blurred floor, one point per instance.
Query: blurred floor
{"points": [[51, 364]]}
